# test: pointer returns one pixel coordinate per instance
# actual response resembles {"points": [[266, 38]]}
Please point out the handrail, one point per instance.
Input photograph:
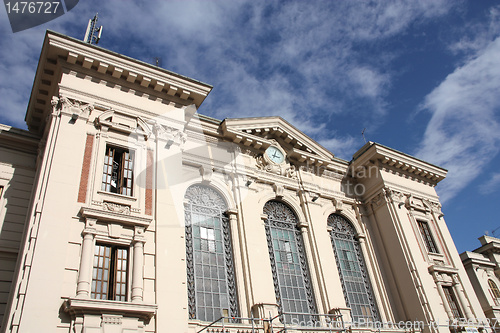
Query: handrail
{"points": [[284, 327]]}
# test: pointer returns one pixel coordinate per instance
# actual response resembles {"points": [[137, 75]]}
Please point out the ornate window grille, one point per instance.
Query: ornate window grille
{"points": [[351, 266], [430, 244], [209, 257], [452, 302], [494, 289], [292, 283]]}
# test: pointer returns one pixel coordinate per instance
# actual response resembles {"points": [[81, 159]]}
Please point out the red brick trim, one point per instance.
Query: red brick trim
{"points": [[149, 183], [84, 179]]}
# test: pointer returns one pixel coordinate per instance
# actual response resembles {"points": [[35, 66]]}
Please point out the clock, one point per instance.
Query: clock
{"points": [[275, 154]]}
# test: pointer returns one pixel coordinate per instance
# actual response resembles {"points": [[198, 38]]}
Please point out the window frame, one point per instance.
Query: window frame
{"points": [[427, 236], [112, 272], [125, 171], [205, 201], [277, 223], [494, 291], [453, 302], [342, 230]]}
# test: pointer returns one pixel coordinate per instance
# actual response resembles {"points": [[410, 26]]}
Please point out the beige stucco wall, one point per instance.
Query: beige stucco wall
{"points": [[17, 173]]}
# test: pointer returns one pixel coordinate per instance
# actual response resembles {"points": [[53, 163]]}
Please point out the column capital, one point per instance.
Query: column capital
{"points": [[90, 226], [232, 213], [139, 236]]}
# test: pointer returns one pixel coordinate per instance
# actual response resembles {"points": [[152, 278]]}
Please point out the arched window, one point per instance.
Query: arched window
{"points": [[292, 283], [209, 257], [494, 289], [352, 271]]}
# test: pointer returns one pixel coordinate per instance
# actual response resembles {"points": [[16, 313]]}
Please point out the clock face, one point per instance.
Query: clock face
{"points": [[275, 155]]}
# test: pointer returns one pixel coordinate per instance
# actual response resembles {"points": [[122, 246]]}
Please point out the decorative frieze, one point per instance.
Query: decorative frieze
{"points": [[116, 208]]}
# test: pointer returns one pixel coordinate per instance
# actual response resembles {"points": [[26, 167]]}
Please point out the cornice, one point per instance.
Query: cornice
{"points": [[259, 133], [20, 140], [76, 306], [59, 50], [109, 216], [375, 154]]}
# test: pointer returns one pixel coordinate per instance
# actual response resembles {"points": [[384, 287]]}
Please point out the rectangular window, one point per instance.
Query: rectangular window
{"points": [[452, 302], [427, 236], [117, 175], [207, 236], [109, 276]]}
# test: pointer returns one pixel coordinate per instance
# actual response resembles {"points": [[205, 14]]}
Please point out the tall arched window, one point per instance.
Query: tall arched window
{"points": [[352, 271], [494, 289], [292, 283], [209, 257]]}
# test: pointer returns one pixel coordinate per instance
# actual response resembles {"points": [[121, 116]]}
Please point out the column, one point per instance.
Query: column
{"points": [[85, 272], [138, 266], [461, 298], [445, 301]]}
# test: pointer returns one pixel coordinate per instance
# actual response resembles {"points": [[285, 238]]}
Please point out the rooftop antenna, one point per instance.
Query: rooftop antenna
{"points": [[157, 61], [93, 33], [493, 231], [363, 134]]}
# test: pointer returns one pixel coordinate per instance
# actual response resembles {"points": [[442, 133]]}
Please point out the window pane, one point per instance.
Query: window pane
{"points": [[117, 171], [105, 267], [427, 236]]}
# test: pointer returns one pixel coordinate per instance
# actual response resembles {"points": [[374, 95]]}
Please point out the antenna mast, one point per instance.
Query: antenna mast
{"points": [[93, 33], [363, 134]]}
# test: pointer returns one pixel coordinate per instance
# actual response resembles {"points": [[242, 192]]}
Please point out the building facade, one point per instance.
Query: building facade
{"points": [[483, 267], [140, 215]]}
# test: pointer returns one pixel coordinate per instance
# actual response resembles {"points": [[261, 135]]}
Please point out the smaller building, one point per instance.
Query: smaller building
{"points": [[483, 267]]}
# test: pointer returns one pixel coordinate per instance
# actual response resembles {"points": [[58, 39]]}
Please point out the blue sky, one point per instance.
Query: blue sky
{"points": [[422, 77]]}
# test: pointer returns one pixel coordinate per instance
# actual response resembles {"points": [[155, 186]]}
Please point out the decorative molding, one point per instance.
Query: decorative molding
{"points": [[116, 208], [338, 204], [279, 190], [107, 216], [76, 108], [115, 230], [78, 306], [169, 134], [206, 173]]}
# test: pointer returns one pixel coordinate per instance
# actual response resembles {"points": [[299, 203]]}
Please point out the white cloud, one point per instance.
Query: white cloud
{"points": [[463, 134], [343, 147], [294, 59]]}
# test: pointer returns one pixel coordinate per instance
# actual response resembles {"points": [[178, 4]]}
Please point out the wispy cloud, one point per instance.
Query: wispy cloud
{"points": [[463, 134]]}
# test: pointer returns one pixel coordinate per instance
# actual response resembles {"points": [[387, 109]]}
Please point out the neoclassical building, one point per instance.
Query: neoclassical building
{"points": [[483, 267], [124, 210]]}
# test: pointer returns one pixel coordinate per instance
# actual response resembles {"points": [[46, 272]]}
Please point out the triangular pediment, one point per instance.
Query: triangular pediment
{"points": [[264, 131]]}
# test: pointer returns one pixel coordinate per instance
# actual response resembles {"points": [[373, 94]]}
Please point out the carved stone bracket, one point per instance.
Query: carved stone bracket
{"points": [[286, 169], [170, 135], [76, 108], [338, 204], [279, 190]]}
